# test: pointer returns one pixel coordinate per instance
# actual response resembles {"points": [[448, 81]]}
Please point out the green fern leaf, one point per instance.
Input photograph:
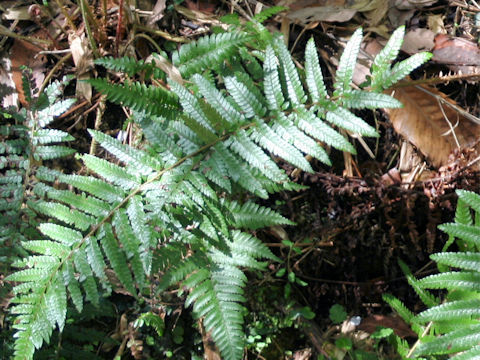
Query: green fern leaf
{"points": [[47, 115], [110, 172], [452, 281], [357, 99], [470, 198], [384, 58], [87, 280], [56, 301], [199, 55], [256, 157], [95, 187], [427, 298], [47, 247], [52, 152], [253, 216], [313, 73], [135, 159], [217, 100], [140, 97], [73, 286], [142, 231], [455, 341], [346, 120], [465, 261], [239, 173], [462, 213], [268, 139], [95, 259], [65, 214], [251, 64], [316, 128], [468, 233], [455, 310], [130, 66], [346, 66], [117, 259], [248, 101], [87, 204], [130, 245], [61, 234], [48, 136], [289, 132], [472, 354], [272, 87], [295, 91], [403, 68]]}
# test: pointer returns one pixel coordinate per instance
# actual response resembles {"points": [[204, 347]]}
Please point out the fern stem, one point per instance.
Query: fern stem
{"points": [[148, 38], [85, 15], [53, 71], [98, 121]]}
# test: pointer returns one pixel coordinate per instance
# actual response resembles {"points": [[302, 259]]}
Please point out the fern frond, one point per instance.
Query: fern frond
{"points": [[199, 55], [152, 99], [135, 159], [455, 310], [400, 308], [426, 297], [452, 280], [313, 73], [248, 101], [453, 342], [470, 198], [316, 128], [346, 120], [384, 58], [130, 66], [111, 172], [268, 13], [468, 233], [295, 91], [357, 99], [253, 216], [117, 258], [464, 260], [346, 66]]}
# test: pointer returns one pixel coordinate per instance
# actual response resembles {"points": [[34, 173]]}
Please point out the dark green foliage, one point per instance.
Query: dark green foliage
{"points": [[456, 319], [168, 210]]}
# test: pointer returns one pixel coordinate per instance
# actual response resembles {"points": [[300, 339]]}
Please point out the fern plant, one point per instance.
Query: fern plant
{"points": [[453, 324], [26, 142], [172, 208]]}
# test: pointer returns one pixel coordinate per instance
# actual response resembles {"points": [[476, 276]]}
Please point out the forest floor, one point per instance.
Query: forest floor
{"points": [[357, 218]]}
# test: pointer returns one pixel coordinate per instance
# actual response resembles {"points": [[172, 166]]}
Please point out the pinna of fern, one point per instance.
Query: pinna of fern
{"points": [[137, 217]]}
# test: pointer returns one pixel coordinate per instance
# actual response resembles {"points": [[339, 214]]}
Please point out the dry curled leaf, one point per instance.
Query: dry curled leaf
{"points": [[429, 123], [457, 53]]}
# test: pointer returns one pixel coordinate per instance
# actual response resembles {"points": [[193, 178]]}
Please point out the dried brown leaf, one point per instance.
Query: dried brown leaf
{"points": [[435, 128], [458, 54], [26, 54]]}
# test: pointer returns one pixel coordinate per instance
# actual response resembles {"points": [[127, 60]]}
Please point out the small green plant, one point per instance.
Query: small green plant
{"points": [[450, 326], [170, 214]]}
